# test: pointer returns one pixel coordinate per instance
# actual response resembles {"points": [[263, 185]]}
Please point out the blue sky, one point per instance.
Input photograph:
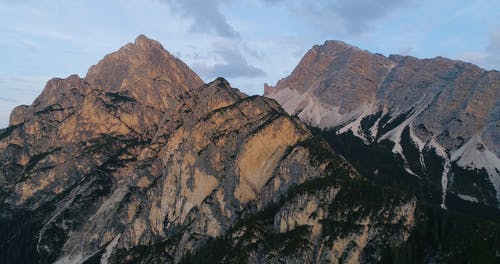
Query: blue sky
{"points": [[248, 42]]}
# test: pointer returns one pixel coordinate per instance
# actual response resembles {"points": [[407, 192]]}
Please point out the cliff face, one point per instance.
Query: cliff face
{"points": [[140, 162], [63, 154], [450, 108], [139, 154]]}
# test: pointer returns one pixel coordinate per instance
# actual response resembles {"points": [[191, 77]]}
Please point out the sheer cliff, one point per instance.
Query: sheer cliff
{"points": [[438, 107], [141, 162]]}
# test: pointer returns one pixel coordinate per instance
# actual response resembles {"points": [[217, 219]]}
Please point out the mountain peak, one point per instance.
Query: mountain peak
{"points": [[139, 162], [142, 73], [144, 60], [333, 43], [443, 104], [145, 42], [142, 55], [331, 68], [334, 47]]}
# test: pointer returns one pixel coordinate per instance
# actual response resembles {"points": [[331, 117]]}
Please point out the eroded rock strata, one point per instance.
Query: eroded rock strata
{"points": [[445, 109], [140, 162]]}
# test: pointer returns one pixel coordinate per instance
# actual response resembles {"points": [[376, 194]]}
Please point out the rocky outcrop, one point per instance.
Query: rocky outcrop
{"points": [[140, 162], [140, 153], [62, 155], [449, 107]]}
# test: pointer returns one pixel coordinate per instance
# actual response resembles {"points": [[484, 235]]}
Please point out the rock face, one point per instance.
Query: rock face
{"points": [[448, 107], [140, 162]]}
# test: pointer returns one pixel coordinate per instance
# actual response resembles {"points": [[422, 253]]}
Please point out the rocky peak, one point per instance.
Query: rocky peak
{"points": [[332, 72], [147, 61], [116, 171], [126, 92], [336, 45], [146, 43], [139, 162], [447, 105]]}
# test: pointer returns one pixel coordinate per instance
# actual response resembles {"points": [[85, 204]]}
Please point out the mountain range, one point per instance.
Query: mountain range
{"points": [[140, 161], [440, 106]]}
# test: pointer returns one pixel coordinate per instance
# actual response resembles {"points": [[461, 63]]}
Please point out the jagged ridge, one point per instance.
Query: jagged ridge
{"points": [[140, 162], [448, 107]]}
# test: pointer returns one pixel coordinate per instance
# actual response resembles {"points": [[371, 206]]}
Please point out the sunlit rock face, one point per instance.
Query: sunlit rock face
{"points": [[141, 162], [140, 152], [448, 107]]}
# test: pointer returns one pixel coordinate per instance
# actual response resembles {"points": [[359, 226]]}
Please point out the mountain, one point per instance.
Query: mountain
{"points": [[439, 116], [141, 162]]}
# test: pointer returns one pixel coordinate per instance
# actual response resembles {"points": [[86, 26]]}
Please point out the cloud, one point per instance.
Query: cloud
{"points": [[350, 17], [358, 15], [233, 63], [493, 50], [206, 15], [490, 56]]}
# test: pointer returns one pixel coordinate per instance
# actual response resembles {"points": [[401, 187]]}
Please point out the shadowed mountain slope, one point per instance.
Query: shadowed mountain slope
{"points": [[140, 162]]}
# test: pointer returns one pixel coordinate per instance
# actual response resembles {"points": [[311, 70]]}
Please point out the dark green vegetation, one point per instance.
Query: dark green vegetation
{"points": [[448, 237], [467, 232], [455, 227], [442, 236], [473, 182], [368, 122], [120, 97], [385, 126], [256, 237], [5, 132], [140, 254], [255, 231], [22, 230], [17, 235], [49, 109], [379, 165]]}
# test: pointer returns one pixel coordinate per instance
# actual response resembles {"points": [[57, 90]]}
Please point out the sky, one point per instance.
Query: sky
{"points": [[249, 42]]}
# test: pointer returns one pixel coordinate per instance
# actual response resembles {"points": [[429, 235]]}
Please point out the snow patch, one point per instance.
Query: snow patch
{"points": [[407, 169], [467, 198], [440, 151], [74, 259], [355, 126], [395, 134], [475, 154], [420, 147], [374, 129]]}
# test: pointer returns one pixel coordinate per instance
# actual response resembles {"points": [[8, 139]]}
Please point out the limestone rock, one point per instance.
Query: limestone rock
{"points": [[445, 104], [140, 162], [139, 152]]}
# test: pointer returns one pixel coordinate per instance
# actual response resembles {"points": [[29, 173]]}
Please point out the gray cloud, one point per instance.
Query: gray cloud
{"points": [[341, 16], [234, 65], [357, 15], [206, 15]]}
